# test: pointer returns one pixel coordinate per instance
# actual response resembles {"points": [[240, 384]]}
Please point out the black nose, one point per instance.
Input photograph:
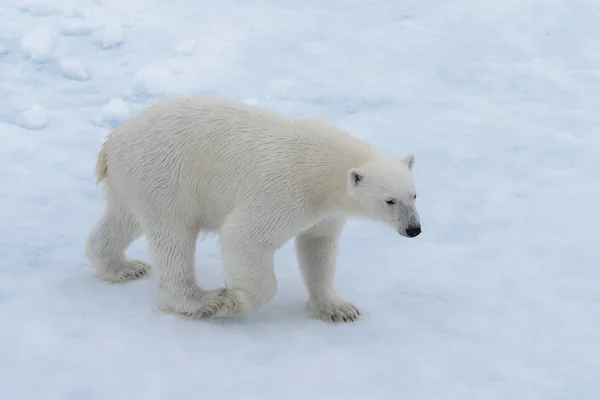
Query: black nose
{"points": [[413, 231]]}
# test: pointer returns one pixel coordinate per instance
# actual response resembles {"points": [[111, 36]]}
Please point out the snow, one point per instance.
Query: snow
{"points": [[154, 80], [76, 27], [499, 298], [72, 68], [37, 44], [37, 8], [116, 110], [113, 35], [186, 47], [35, 118]]}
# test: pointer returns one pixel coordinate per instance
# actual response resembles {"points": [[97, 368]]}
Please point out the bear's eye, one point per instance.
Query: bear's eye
{"points": [[391, 202], [414, 196]]}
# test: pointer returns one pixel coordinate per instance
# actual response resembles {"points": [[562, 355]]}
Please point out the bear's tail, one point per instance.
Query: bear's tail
{"points": [[101, 164]]}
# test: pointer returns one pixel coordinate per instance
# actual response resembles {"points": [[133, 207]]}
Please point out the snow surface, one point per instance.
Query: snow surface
{"points": [[37, 44], [116, 110], [36, 117], [499, 298], [113, 35], [72, 68]]}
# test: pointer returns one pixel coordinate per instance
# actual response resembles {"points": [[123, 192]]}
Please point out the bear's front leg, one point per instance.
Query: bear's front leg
{"points": [[316, 250]]}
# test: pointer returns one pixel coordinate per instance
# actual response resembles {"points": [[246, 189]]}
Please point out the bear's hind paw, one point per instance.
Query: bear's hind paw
{"points": [[222, 302]]}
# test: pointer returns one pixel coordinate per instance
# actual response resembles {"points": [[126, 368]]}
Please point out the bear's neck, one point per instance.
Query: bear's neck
{"points": [[330, 174]]}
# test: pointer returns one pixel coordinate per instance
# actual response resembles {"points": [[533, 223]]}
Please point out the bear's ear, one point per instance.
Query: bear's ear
{"points": [[409, 159], [355, 177]]}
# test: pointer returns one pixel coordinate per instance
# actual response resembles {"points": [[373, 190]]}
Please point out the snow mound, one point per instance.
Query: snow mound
{"points": [[154, 80], [185, 48], [79, 12], [71, 68], [35, 118], [38, 9], [112, 35], [3, 50], [116, 110], [76, 27], [37, 43]]}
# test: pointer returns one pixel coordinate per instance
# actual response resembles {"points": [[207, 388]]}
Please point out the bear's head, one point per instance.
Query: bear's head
{"points": [[383, 191]]}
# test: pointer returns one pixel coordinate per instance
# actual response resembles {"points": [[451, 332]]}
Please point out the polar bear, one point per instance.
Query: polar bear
{"points": [[192, 165]]}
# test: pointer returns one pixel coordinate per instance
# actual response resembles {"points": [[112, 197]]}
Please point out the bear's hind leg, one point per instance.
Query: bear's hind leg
{"points": [[173, 249], [248, 261], [249, 267], [107, 242], [316, 250]]}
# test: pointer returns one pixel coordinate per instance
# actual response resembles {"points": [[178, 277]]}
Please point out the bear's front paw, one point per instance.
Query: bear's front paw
{"points": [[129, 270], [333, 312]]}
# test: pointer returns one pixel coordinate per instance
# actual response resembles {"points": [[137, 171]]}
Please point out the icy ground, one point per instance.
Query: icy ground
{"points": [[499, 298]]}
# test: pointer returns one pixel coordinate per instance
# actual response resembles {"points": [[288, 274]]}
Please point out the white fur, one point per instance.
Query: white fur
{"points": [[197, 164]]}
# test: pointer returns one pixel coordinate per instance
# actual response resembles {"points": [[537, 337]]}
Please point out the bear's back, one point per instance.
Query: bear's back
{"points": [[224, 151]]}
